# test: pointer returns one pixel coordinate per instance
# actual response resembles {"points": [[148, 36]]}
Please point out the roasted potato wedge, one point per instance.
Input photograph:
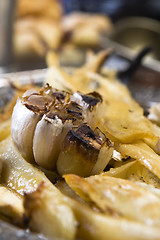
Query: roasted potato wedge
{"points": [[17, 173], [137, 173], [143, 153], [93, 225], [89, 224], [11, 206], [118, 197], [49, 213], [5, 129]]}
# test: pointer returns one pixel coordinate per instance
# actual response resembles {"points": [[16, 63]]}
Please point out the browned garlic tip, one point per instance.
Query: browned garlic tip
{"points": [[84, 152]]}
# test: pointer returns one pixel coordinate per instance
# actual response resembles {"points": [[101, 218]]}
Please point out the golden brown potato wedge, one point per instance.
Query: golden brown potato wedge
{"points": [[143, 153], [11, 206], [24, 178], [56, 76], [137, 173], [17, 173], [47, 8], [121, 120], [33, 36], [97, 226], [118, 197], [49, 213], [93, 226], [87, 29], [5, 129]]}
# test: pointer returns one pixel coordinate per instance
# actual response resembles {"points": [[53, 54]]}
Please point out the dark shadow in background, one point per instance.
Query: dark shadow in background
{"points": [[116, 9]]}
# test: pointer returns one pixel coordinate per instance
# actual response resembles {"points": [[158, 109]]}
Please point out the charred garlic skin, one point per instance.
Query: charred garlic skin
{"points": [[84, 152], [91, 103], [48, 128]]}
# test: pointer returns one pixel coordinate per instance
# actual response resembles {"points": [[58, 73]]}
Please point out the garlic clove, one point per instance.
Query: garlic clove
{"points": [[23, 125], [105, 155], [26, 114], [46, 142], [51, 131], [82, 153], [90, 103]]}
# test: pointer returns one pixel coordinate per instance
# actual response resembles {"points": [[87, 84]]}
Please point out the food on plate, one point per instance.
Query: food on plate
{"points": [[41, 25], [37, 27], [44, 121], [154, 113], [82, 159], [5, 129], [34, 36], [84, 147], [120, 113], [86, 29], [48, 211], [114, 196], [45, 8], [91, 224]]}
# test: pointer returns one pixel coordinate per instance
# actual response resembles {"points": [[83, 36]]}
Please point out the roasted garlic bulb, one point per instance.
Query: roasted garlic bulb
{"points": [[41, 122]]}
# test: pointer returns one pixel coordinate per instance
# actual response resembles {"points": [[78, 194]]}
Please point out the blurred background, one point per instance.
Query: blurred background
{"points": [[116, 9], [31, 28]]}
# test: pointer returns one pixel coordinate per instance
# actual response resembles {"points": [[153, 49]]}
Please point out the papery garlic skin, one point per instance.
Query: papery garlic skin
{"points": [[22, 129]]}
